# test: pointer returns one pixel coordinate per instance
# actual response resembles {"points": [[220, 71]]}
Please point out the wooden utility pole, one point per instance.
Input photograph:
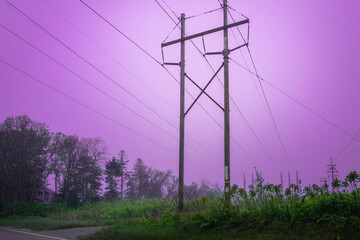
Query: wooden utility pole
{"points": [[225, 109], [122, 162], [289, 178], [244, 182], [297, 178], [226, 104], [323, 181], [182, 115], [281, 182]]}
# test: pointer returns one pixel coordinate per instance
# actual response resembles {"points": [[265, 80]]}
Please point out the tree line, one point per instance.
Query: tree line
{"points": [[30, 155]]}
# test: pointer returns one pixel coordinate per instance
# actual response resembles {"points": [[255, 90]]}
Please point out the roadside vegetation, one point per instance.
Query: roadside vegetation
{"points": [[140, 203], [264, 212]]}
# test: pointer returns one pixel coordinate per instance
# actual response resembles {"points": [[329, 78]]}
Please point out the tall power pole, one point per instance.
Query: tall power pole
{"points": [[281, 181], [225, 109], [226, 104], [182, 115], [332, 172]]}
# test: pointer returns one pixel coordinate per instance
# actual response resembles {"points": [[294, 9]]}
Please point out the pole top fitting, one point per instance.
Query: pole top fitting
{"points": [[226, 52]]}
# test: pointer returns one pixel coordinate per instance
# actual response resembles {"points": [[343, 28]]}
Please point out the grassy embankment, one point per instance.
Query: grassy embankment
{"points": [[263, 214]]}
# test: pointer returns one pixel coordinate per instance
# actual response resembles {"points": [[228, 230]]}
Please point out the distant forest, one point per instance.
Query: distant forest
{"points": [[30, 155]]}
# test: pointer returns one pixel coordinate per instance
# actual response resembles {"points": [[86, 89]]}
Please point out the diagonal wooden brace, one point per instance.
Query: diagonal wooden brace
{"points": [[203, 90]]}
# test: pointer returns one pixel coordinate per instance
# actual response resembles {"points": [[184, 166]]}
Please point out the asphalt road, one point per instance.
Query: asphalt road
{"points": [[64, 234]]}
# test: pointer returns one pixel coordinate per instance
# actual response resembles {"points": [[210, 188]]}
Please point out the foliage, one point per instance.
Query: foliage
{"points": [[29, 153], [25, 149], [81, 171], [146, 182], [26, 209]]}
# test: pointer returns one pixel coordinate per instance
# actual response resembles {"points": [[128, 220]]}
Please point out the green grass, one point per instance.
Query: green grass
{"points": [[261, 214], [126, 232], [42, 223]]}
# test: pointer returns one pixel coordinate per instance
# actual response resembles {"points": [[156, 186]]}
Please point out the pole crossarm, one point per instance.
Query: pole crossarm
{"points": [[246, 44], [203, 89], [213, 53], [205, 33], [231, 50], [169, 63]]}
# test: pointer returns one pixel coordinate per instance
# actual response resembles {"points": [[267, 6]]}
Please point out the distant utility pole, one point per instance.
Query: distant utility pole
{"points": [[225, 109], [122, 162], [297, 178], [289, 178], [244, 182], [332, 172], [122, 183], [281, 181], [323, 181]]}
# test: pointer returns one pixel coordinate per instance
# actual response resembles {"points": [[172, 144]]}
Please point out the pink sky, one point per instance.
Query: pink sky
{"points": [[307, 48]]}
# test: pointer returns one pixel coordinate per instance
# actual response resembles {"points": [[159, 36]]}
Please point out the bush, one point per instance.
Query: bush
{"points": [[34, 209]]}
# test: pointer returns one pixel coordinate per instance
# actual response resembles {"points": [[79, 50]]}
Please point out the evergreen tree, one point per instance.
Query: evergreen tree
{"points": [[112, 172], [138, 183]]}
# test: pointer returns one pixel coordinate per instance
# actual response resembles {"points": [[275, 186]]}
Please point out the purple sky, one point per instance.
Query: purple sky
{"points": [[307, 48]]}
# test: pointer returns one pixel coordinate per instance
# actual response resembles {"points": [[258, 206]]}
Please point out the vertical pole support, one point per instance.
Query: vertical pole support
{"points": [[182, 116], [226, 106]]}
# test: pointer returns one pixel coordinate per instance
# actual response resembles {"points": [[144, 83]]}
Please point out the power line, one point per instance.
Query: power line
{"points": [[263, 91], [108, 54], [257, 138], [243, 118], [247, 66], [177, 25], [169, 8], [86, 106], [273, 120], [164, 11], [351, 153], [192, 42], [204, 13], [97, 112], [246, 122], [237, 12], [109, 96], [122, 66], [94, 67], [266, 100], [298, 102], [152, 58], [347, 146], [117, 29], [147, 53], [237, 108], [87, 82], [124, 35], [232, 100]]}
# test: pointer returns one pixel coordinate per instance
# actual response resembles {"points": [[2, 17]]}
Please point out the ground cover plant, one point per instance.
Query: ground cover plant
{"points": [[266, 211]]}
